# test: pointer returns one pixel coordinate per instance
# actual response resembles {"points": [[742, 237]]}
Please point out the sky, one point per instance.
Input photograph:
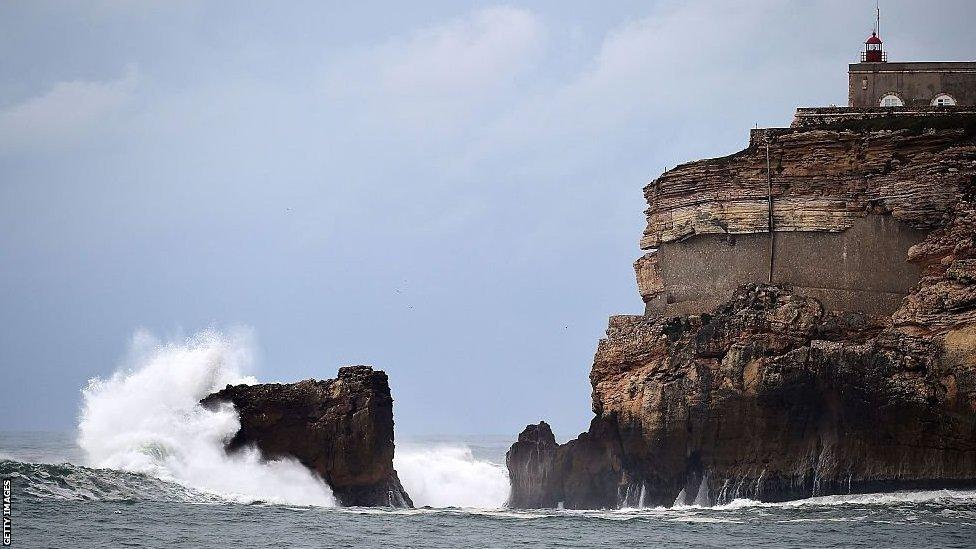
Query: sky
{"points": [[449, 191]]}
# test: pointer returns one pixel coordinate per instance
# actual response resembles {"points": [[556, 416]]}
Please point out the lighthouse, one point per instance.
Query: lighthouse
{"points": [[874, 82], [873, 50]]}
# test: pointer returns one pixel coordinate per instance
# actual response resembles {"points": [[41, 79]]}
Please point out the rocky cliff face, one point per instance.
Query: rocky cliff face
{"points": [[823, 179], [340, 428], [708, 221], [771, 395]]}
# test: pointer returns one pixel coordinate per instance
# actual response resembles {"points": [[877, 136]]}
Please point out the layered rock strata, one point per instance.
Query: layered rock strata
{"points": [[340, 428], [846, 202], [786, 390]]}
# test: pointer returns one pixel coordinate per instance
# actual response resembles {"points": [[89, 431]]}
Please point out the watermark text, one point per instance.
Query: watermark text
{"points": [[7, 526]]}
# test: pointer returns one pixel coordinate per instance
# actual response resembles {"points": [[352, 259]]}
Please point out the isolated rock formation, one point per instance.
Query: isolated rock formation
{"points": [[788, 390], [340, 428]]}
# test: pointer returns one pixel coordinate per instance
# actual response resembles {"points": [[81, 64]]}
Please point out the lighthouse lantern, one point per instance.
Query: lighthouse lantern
{"points": [[873, 51]]}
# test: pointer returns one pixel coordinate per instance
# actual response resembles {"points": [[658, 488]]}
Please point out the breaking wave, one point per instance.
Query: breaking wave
{"points": [[68, 482], [144, 426], [450, 476], [146, 419], [145, 437]]}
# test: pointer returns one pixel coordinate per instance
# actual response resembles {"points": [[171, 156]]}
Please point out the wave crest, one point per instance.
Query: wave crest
{"points": [[146, 418], [68, 482], [450, 476]]}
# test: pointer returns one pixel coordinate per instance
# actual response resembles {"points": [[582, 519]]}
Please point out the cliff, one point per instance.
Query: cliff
{"points": [[846, 201], [340, 428], [854, 371]]}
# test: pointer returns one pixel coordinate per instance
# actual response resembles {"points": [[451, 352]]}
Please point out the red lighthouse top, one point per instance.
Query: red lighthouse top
{"points": [[873, 52]]}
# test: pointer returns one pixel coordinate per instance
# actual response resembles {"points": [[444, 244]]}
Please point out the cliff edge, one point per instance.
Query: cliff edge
{"points": [[810, 328], [340, 428]]}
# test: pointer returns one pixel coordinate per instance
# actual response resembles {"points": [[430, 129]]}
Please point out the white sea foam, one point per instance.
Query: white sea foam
{"points": [[881, 498], [887, 498], [146, 418], [450, 476]]}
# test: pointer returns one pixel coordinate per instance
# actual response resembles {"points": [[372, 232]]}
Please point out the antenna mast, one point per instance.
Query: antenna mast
{"points": [[877, 23]]}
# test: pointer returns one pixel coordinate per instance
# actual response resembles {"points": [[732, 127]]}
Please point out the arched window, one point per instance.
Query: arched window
{"points": [[943, 100], [892, 100]]}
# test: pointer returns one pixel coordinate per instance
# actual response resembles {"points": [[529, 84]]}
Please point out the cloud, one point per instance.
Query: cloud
{"points": [[681, 67], [658, 65], [437, 78], [68, 113]]}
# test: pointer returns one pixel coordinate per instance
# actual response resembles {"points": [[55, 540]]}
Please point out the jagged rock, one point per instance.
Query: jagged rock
{"points": [[771, 395], [771, 398], [546, 474], [340, 428]]}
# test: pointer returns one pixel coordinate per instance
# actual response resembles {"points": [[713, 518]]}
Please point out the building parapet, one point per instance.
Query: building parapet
{"points": [[892, 117], [913, 66]]}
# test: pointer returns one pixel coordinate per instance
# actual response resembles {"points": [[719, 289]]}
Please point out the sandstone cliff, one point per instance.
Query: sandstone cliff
{"points": [[340, 428], [797, 388], [846, 200]]}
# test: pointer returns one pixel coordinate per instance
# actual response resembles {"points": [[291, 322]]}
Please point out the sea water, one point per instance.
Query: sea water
{"points": [[145, 467], [59, 503]]}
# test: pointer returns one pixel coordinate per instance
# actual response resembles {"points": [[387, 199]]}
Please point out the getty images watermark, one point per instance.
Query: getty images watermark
{"points": [[7, 528]]}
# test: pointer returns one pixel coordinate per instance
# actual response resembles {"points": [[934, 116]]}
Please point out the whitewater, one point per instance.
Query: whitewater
{"points": [[68, 505], [146, 465], [146, 418]]}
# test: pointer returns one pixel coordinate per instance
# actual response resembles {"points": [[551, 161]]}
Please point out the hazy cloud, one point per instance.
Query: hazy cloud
{"points": [[66, 114], [448, 190], [682, 65], [437, 77]]}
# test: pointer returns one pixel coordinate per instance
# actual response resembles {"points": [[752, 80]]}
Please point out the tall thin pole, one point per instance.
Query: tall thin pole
{"points": [[877, 7], [769, 210]]}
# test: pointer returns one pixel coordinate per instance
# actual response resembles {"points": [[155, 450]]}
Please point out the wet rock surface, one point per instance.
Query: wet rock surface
{"points": [[340, 428], [770, 395]]}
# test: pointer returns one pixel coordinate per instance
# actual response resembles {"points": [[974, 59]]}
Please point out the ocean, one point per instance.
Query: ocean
{"points": [[58, 502], [145, 467]]}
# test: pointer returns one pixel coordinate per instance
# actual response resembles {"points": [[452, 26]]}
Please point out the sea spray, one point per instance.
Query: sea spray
{"points": [[450, 476], [146, 418]]}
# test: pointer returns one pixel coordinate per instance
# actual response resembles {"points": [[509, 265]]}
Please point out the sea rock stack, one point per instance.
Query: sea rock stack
{"points": [[340, 428], [809, 326], [583, 473]]}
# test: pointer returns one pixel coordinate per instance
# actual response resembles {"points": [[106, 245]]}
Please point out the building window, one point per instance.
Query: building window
{"points": [[943, 100], [892, 100]]}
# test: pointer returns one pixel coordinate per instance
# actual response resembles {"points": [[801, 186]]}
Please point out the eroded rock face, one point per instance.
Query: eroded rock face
{"points": [[581, 474], [771, 395], [340, 428], [823, 179], [846, 202]]}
